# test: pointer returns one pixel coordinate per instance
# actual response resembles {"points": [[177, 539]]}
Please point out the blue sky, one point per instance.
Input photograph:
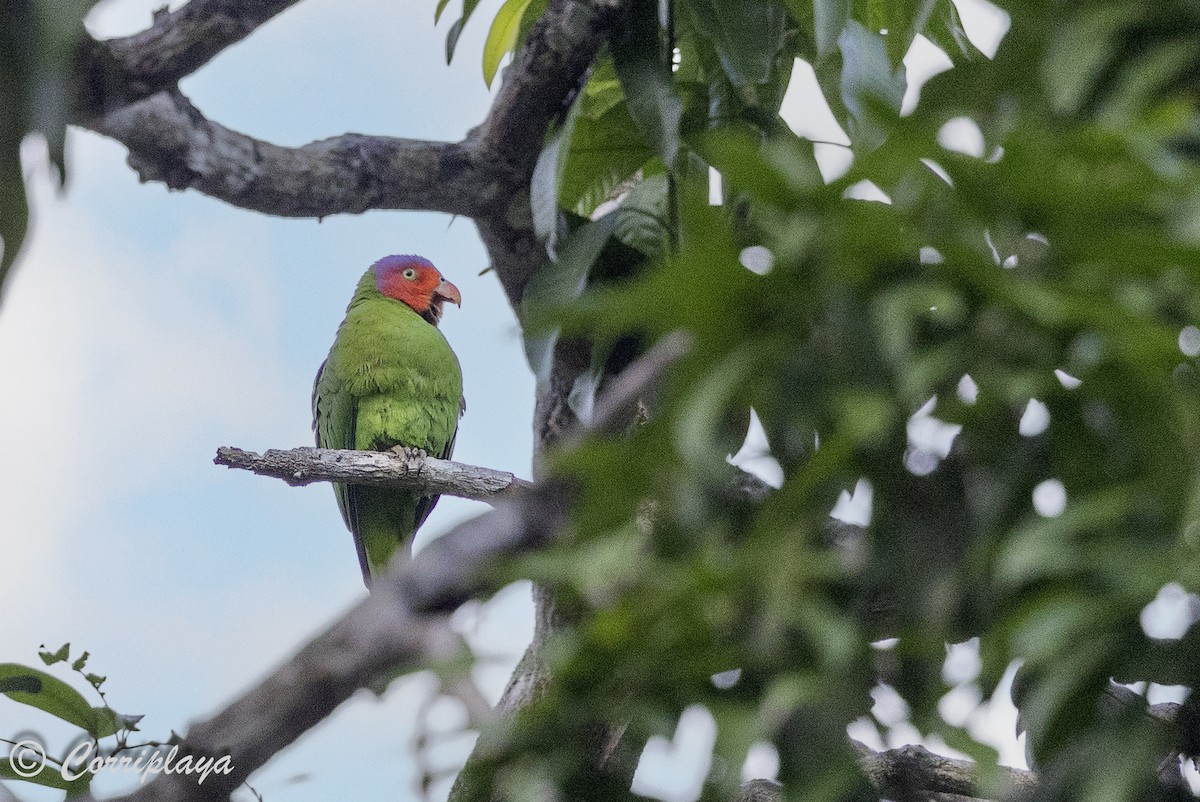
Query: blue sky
{"points": [[146, 328]]}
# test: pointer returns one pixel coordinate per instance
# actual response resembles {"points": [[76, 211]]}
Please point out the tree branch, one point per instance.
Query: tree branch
{"points": [[305, 465], [119, 71], [182, 41], [302, 466], [544, 77], [169, 140], [913, 772]]}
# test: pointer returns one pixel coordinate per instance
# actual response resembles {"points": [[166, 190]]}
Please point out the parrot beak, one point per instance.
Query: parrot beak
{"points": [[447, 292]]}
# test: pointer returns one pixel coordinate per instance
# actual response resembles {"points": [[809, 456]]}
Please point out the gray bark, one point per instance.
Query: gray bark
{"points": [[302, 466]]}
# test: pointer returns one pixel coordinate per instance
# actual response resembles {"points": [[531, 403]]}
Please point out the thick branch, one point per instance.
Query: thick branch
{"points": [[115, 72], [182, 41], [913, 772], [538, 87], [169, 140], [302, 466], [544, 77]]}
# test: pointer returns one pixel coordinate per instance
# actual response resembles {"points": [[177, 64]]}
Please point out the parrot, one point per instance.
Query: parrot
{"points": [[390, 382]]}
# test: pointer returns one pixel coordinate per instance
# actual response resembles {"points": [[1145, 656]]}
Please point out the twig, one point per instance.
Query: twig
{"points": [[615, 408]]}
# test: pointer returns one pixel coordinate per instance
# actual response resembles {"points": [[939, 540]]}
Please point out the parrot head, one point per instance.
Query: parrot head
{"points": [[414, 281]]}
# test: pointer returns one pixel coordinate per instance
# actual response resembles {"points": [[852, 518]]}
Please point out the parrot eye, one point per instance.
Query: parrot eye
{"points": [[410, 274]]}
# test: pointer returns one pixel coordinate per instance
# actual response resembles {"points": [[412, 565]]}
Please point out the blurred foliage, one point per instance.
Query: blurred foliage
{"points": [[37, 47], [1071, 245]]}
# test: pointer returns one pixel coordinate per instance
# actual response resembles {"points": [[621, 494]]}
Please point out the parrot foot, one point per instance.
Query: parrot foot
{"points": [[413, 457]]}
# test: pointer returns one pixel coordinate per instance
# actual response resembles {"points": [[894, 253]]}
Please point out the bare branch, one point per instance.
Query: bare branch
{"points": [[182, 41], [169, 140], [115, 72], [302, 466], [305, 465]]}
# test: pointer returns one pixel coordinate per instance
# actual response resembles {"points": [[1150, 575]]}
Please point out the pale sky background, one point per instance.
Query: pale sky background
{"points": [[144, 329]]}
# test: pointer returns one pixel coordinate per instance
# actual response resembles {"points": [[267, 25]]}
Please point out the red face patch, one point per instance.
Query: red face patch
{"points": [[417, 283]]}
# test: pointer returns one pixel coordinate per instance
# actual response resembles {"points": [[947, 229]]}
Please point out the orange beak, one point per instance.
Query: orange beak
{"points": [[447, 292]]}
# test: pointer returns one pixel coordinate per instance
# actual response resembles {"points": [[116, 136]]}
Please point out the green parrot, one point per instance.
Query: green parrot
{"points": [[390, 382]]}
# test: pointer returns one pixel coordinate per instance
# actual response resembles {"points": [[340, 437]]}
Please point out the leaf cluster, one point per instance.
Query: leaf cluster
{"points": [[1062, 265]]}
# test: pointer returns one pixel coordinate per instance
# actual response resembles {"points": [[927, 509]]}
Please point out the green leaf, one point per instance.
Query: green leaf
{"points": [[48, 776], [902, 19], [452, 38], [869, 85], [555, 285], [904, 28], [18, 28], [945, 29], [38, 689], [602, 91], [437, 13], [1080, 50], [738, 158], [547, 178], [829, 20], [107, 721], [593, 151], [81, 662], [747, 36], [604, 152], [643, 219], [37, 48], [646, 79], [62, 655], [455, 29], [502, 37]]}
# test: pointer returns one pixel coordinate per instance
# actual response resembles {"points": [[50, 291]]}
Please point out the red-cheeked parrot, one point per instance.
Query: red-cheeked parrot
{"points": [[390, 382]]}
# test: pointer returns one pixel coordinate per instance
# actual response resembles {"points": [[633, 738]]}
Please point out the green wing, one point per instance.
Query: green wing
{"points": [[335, 416]]}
